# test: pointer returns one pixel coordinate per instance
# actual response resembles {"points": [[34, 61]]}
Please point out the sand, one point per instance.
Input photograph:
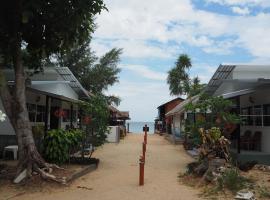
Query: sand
{"points": [[117, 175]]}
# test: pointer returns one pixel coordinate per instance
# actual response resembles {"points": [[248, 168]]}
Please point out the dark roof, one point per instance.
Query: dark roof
{"points": [[222, 73], [178, 98]]}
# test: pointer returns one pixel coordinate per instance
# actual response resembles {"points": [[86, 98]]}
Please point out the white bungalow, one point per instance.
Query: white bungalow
{"points": [[52, 98], [248, 86], [179, 116]]}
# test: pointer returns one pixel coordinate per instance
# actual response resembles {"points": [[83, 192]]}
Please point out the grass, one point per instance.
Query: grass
{"points": [[264, 192], [233, 181]]}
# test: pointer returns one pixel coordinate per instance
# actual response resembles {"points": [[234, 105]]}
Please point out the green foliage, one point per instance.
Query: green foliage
{"points": [[232, 180], [179, 80], [217, 111], [59, 143], [43, 28], [103, 74], [97, 108], [95, 75]]}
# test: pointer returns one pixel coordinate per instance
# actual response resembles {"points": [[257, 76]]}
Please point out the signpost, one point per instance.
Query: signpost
{"points": [[142, 158]]}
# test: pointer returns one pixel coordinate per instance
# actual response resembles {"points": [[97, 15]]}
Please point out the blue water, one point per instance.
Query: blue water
{"points": [[137, 127]]}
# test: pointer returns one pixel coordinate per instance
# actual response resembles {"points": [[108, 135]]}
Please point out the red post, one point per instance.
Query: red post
{"points": [[141, 179], [143, 149]]}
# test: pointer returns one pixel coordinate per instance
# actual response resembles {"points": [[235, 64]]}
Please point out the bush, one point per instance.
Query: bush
{"points": [[232, 180], [59, 144]]}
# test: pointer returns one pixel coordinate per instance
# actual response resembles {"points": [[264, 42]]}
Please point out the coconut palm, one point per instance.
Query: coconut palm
{"points": [[178, 78]]}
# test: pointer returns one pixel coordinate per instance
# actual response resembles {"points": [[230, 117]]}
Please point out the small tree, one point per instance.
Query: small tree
{"points": [[95, 120]]}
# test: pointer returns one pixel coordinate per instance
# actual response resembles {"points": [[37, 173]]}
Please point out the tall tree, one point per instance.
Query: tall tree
{"points": [[41, 28], [179, 80], [95, 75], [178, 77], [194, 87]]}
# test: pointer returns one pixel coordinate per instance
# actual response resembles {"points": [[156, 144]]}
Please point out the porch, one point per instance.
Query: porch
{"points": [[248, 156]]}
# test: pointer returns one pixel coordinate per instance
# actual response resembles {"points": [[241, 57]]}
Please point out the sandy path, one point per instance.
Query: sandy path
{"points": [[117, 175]]}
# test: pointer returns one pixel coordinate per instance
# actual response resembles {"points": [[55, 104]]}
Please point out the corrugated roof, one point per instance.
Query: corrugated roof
{"points": [[67, 75], [181, 107], [178, 98], [221, 73]]}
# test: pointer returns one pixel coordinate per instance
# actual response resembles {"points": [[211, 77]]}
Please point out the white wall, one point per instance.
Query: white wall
{"points": [[260, 97], [114, 134]]}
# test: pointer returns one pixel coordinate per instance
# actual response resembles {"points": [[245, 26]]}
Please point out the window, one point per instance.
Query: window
{"points": [[266, 113], [32, 112], [246, 116], [66, 117], [258, 115], [36, 112], [40, 114]]}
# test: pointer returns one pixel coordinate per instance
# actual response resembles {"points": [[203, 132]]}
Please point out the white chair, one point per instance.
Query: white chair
{"points": [[12, 148]]}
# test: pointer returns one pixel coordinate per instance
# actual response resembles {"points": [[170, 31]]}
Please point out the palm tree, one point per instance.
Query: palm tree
{"points": [[178, 78]]}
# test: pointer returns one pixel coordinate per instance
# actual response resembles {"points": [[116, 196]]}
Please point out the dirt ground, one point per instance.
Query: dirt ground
{"points": [[117, 175]]}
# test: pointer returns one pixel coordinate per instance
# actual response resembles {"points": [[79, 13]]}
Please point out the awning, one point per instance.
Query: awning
{"points": [[181, 107], [238, 93]]}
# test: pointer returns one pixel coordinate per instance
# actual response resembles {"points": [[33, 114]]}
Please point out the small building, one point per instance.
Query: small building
{"points": [[163, 122], [117, 122], [52, 100], [179, 115], [248, 86]]}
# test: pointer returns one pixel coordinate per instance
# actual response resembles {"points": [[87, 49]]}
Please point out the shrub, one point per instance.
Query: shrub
{"points": [[59, 143], [232, 180]]}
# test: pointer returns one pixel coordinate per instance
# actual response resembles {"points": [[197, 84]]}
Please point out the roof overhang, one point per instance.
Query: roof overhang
{"points": [[181, 107]]}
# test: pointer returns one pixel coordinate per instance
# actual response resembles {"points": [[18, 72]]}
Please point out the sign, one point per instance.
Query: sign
{"points": [[146, 128]]}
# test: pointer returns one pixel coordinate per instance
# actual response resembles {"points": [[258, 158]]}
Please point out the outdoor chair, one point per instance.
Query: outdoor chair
{"points": [[246, 140], [256, 141]]}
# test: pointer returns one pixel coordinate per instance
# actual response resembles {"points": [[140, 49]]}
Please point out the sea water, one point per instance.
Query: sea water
{"points": [[137, 127]]}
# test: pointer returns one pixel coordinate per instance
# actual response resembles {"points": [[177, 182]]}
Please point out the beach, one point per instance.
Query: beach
{"points": [[117, 176]]}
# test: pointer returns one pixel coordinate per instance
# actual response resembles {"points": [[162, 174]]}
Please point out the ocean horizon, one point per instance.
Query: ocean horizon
{"points": [[137, 127]]}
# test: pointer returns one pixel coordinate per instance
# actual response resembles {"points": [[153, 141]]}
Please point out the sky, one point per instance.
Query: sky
{"points": [[153, 33]]}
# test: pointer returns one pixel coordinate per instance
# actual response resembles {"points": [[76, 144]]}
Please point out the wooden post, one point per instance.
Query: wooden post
{"points": [[141, 178], [71, 116], [143, 149], [128, 127]]}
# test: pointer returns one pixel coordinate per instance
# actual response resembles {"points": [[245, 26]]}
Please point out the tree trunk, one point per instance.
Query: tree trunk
{"points": [[15, 106]]}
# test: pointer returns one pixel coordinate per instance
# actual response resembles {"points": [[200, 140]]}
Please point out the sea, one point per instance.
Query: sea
{"points": [[137, 127]]}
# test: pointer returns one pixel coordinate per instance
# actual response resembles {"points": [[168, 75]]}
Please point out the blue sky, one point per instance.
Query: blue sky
{"points": [[153, 33]]}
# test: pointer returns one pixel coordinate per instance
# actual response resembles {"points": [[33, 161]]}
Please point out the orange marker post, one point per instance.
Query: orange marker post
{"points": [[141, 178], [143, 149]]}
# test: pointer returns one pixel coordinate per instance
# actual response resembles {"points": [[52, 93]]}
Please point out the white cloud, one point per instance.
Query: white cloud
{"points": [[132, 24], [240, 11], [159, 29], [146, 72], [141, 99], [263, 3]]}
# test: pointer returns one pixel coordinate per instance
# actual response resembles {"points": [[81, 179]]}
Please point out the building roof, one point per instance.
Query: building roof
{"points": [[178, 98], [52, 75], [122, 115], [67, 75], [181, 106], [236, 79], [222, 73]]}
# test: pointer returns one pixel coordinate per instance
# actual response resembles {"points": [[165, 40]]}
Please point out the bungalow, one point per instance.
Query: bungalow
{"points": [[162, 122], [117, 124], [52, 98], [248, 86], [179, 115]]}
